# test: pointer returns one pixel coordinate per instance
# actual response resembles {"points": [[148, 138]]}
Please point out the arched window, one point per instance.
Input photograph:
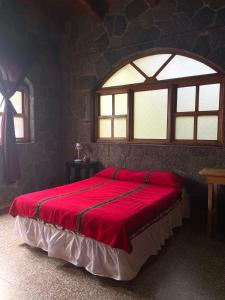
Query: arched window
{"points": [[20, 101], [162, 98]]}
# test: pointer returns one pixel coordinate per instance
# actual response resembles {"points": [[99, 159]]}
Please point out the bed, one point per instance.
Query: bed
{"points": [[109, 224]]}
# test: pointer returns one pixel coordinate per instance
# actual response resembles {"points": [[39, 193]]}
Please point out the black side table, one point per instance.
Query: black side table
{"points": [[78, 170]]}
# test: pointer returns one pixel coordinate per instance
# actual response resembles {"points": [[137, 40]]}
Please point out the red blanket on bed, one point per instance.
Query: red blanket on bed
{"points": [[104, 208]]}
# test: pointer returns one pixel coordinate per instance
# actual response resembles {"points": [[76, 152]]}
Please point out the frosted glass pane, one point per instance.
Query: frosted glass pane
{"points": [[150, 114], [186, 99], [106, 105], [120, 128], [121, 104], [184, 128], [105, 128], [209, 96], [19, 127], [125, 75], [16, 100], [2, 105], [182, 66], [207, 128], [150, 64]]}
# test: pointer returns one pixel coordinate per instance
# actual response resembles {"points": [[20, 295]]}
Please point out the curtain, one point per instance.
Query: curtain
{"points": [[14, 63]]}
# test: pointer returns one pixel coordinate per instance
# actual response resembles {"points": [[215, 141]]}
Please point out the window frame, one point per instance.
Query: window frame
{"points": [[172, 85], [25, 115], [112, 117]]}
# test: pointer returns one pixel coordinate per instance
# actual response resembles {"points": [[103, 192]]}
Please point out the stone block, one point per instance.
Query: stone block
{"points": [[129, 51], [217, 57], [145, 46], [133, 33], [217, 38], [102, 42], [109, 24], [164, 11], [112, 57], [189, 7], [165, 42], [215, 4], [135, 8], [115, 42], [146, 19], [87, 82], [203, 18], [149, 34], [202, 45], [178, 24], [220, 20], [186, 41], [120, 25], [101, 67]]}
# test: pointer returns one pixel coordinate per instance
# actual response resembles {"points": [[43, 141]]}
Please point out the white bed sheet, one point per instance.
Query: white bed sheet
{"points": [[98, 258]]}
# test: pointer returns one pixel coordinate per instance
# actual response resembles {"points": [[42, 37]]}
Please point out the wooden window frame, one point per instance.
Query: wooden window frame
{"points": [[112, 118], [172, 85], [196, 113], [25, 115]]}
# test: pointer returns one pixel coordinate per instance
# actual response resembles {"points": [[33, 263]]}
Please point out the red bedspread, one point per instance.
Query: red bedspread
{"points": [[107, 210]]}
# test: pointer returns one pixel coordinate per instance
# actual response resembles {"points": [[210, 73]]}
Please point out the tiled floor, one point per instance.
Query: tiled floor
{"points": [[190, 266]]}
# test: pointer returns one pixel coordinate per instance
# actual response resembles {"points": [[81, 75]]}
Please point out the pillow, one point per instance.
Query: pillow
{"points": [[108, 172], [133, 175], [166, 178], [124, 174]]}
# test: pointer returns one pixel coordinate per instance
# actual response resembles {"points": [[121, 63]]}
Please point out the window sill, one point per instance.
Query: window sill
{"points": [[163, 144], [21, 143]]}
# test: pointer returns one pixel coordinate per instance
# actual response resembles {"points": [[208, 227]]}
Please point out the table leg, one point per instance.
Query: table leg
{"points": [[67, 173], [210, 208], [77, 171], [215, 201]]}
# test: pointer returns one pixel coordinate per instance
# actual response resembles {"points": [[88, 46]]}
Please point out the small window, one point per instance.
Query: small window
{"points": [[162, 98], [113, 115], [20, 101], [198, 105]]}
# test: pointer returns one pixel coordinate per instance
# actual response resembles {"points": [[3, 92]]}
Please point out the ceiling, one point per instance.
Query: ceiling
{"points": [[57, 12]]}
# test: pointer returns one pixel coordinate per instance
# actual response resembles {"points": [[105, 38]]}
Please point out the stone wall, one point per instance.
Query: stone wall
{"points": [[40, 159], [91, 51]]}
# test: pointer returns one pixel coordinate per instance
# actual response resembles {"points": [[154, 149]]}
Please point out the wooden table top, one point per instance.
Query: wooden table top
{"points": [[212, 172]]}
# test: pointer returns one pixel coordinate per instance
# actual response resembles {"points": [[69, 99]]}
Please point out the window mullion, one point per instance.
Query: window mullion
{"points": [[196, 111], [97, 115], [113, 115], [130, 133], [172, 100], [139, 70], [221, 112], [163, 66]]}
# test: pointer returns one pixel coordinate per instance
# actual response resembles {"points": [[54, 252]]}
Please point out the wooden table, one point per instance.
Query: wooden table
{"points": [[214, 177], [89, 169]]}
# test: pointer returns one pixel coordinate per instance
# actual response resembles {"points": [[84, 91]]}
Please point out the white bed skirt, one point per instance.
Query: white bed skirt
{"points": [[98, 258]]}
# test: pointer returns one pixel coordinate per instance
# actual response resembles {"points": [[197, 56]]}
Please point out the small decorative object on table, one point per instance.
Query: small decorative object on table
{"points": [[78, 147]]}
